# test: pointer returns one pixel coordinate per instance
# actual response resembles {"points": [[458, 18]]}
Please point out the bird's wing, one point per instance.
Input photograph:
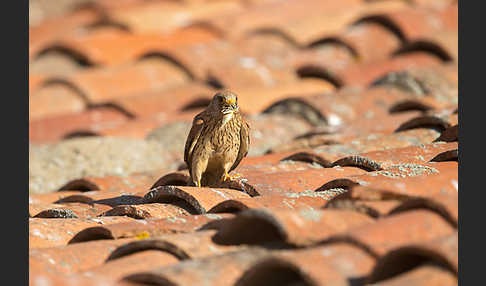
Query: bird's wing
{"points": [[197, 125], [244, 143]]}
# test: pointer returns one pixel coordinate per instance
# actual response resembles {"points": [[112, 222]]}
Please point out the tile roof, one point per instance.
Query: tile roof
{"points": [[352, 172]]}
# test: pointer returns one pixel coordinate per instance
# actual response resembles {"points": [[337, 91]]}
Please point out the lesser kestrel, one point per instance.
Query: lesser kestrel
{"points": [[219, 139]]}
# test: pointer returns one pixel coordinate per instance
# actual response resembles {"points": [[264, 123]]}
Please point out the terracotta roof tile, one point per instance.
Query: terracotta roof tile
{"points": [[311, 267], [68, 210], [182, 245], [366, 73], [198, 200], [428, 274], [136, 262], [295, 227], [72, 258], [49, 198], [101, 46], [146, 211], [256, 180], [55, 99], [402, 229], [166, 16], [104, 84], [438, 255], [49, 232], [169, 100], [363, 36], [54, 128], [215, 270], [352, 173], [110, 198], [378, 160], [152, 227], [402, 181], [52, 29], [290, 201]]}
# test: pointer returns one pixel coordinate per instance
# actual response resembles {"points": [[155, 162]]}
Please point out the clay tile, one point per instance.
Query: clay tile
{"points": [[199, 200], [290, 201], [280, 179], [48, 232], [424, 121], [182, 245], [450, 134], [254, 99], [154, 210], [35, 81], [72, 210], [66, 101], [102, 85], [451, 155], [57, 62], [309, 269], [426, 274], [139, 261], [440, 252], [420, 22], [354, 109], [295, 227], [374, 209], [423, 104], [69, 259], [378, 160], [110, 183], [168, 100], [39, 279], [141, 127], [218, 270], [269, 130], [150, 227], [389, 233], [55, 128], [49, 198], [427, 83], [363, 36], [366, 73], [110, 198], [165, 16], [101, 47], [421, 180], [444, 204], [178, 178], [52, 29]]}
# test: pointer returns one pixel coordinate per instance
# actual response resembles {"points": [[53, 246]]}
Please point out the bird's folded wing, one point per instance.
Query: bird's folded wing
{"points": [[197, 125], [244, 144]]}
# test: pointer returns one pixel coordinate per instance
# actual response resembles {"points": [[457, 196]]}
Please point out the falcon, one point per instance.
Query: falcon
{"points": [[218, 141]]}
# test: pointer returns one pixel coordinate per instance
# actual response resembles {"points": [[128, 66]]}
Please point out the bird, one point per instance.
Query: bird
{"points": [[217, 141]]}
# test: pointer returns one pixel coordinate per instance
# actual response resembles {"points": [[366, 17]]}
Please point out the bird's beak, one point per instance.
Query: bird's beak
{"points": [[230, 105], [229, 101]]}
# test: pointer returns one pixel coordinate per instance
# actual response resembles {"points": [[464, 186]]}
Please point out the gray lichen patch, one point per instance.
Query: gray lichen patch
{"points": [[53, 165], [310, 214], [406, 170], [309, 193]]}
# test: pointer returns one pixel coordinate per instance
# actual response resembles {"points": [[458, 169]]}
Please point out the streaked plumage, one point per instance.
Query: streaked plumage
{"points": [[218, 141]]}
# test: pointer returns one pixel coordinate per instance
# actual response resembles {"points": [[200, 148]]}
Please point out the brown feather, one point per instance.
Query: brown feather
{"points": [[197, 125], [244, 142]]}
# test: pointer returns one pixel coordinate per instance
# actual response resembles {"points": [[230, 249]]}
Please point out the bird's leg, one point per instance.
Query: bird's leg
{"points": [[230, 177]]}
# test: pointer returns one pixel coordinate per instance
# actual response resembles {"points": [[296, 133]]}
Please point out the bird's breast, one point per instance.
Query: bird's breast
{"points": [[225, 134]]}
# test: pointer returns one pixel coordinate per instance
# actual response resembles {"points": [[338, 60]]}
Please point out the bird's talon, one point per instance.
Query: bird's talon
{"points": [[233, 177]]}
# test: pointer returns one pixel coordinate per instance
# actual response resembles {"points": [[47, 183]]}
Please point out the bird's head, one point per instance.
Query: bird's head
{"points": [[225, 102]]}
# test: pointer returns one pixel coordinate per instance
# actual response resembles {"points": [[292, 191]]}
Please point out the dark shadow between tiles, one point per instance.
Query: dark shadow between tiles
{"points": [[274, 271]]}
